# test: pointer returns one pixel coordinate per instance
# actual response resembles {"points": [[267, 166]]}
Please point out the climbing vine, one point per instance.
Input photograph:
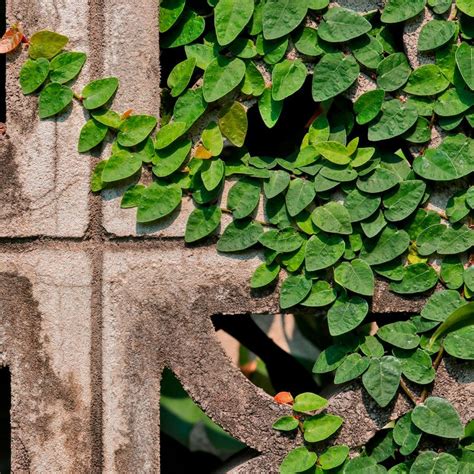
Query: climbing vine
{"points": [[357, 197]]}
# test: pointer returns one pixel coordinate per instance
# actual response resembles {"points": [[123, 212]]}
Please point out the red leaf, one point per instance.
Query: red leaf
{"points": [[284, 398], [11, 39]]}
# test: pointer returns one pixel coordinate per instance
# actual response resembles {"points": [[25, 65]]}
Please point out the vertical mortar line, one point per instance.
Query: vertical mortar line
{"points": [[95, 235], [3, 67]]}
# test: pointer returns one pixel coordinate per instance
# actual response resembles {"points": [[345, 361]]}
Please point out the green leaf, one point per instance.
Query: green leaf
{"points": [[340, 25], [106, 117], [158, 201], [330, 359], [253, 84], [406, 434], [355, 276], [416, 365], [170, 159], [363, 465], [465, 63], [466, 7], [189, 107], [282, 241], [233, 123], [333, 457], [180, 76], [322, 294], [212, 173], [393, 72], [353, 366], [320, 427], [306, 402], [391, 243], [132, 196], [397, 117], [374, 225], [239, 235], [383, 448], [202, 223], [170, 10], [452, 272], [96, 177], [269, 108], [66, 66], [436, 416], [440, 6], [294, 290], [230, 18], [332, 218], [212, 138], [396, 11], [334, 152], [371, 347], [441, 304], [323, 251], [453, 102], [98, 93], [278, 182], [435, 33], [460, 343], [135, 129], [92, 133], [264, 275], [402, 202], [298, 460], [426, 80], [121, 165], [469, 278], [334, 74], [281, 17], [188, 29], [456, 240], [169, 133], [33, 74], [368, 51], [368, 106], [346, 314], [299, 195], [46, 44], [429, 239], [436, 463], [360, 205], [382, 378], [307, 42], [418, 278], [420, 133], [53, 99], [457, 207], [244, 197], [285, 423], [460, 317], [287, 78], [400, 334], [221, 77]]}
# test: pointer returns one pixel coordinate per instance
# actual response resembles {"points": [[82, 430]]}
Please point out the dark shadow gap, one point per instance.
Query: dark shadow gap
{"points": [[5, 427], [3, 66]]}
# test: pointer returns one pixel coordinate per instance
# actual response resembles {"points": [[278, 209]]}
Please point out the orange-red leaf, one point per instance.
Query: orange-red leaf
{"points": [[11, 39], [126, 114], [202, 153], [284, 398]]}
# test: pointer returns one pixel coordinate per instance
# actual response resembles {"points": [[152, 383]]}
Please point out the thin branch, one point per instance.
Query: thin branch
{"points": [[437, 361], [408, 392]]}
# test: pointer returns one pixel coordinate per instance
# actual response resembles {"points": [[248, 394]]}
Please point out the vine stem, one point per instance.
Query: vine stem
{"points": [[437, 361], [408, 392]]}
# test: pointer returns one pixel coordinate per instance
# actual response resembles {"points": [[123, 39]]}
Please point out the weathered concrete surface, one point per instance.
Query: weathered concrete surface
{"points": [[45, 337], [153, 303], [45, 181]]}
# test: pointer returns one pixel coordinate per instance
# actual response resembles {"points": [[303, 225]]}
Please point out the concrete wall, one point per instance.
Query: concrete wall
{"points": [[92, 308]]}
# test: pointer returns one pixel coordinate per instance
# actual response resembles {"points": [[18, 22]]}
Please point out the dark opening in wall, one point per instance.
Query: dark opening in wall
{"points": [[5, 428], [286, 135], [3, 65]]}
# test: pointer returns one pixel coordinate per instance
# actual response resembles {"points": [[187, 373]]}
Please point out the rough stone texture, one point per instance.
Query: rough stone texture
{"points": [[45, 335], [153, 302], [45, 184]]}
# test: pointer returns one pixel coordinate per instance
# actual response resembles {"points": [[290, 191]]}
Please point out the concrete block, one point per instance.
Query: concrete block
{"points": [[45, 340]]}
